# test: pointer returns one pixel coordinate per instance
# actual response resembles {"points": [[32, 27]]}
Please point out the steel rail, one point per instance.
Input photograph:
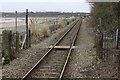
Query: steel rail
{"points": [[23, 78], [70, 51]]}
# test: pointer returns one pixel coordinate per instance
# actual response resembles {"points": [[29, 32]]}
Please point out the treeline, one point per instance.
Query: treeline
{"points": [[106, 14], [42, 14]]}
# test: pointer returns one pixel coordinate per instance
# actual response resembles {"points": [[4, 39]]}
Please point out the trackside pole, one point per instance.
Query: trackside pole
{"points": [[26, 28]]}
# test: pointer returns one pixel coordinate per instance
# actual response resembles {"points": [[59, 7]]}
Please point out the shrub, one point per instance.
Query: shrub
{"points": [[45, 31]]}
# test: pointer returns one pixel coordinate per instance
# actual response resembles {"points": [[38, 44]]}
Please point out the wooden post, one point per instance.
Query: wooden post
{"points": [[119, 64], [119, 15], [118, 23], [23, 42], [98, 47], [29, 38], [27, 28], [99, 25], [17, 34], [117, 32], [17, 41], [16, 21], [6, 46], [119, 38]]}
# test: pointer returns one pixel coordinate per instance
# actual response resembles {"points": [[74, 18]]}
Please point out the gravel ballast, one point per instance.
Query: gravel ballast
{"points": [[80, 56], [54, 61]]}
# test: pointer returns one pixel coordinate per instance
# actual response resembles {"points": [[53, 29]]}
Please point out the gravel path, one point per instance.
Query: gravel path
{"points": [[80, 56], [18, 67]]}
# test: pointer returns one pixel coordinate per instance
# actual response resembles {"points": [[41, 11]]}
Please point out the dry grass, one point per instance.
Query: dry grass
{"points": [[45, 31], [41, 28], [61, 23], [37, 30]]}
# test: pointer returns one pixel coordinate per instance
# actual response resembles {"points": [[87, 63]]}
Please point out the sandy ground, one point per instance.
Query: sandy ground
{"points": [[9, 23]]}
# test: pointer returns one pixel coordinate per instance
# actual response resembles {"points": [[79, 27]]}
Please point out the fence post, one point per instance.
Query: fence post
{"points": [[16, 22], [98, 46], [119, 23], [17, 34], [17, 41], [6, 46], [119, 64], [119, 38], [27, 28], [29, 38]]}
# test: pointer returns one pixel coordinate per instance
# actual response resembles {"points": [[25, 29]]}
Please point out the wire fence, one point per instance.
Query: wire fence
{"points": [[105, 42]]}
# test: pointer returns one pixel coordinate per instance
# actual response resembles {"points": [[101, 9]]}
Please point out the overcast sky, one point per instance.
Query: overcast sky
{"points": [[44, 5]]}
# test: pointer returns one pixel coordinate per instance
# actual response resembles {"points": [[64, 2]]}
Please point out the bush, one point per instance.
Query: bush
{"points": [[34, 24], [45, 32]]}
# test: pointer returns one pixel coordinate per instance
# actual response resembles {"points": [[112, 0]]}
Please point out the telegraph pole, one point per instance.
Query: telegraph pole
{"points": [[16, 30], [16, 21], [118, 39], [26, 28]]}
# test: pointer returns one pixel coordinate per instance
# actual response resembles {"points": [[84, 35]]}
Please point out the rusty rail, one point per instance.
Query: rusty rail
{"points": [[24, 77]]}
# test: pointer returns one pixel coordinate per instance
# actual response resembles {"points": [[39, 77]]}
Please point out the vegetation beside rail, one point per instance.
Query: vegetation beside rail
{"points": [[105, 20], [108, 12], [13, 42]]}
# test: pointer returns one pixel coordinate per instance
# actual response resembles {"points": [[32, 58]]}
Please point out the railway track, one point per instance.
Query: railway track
{"points": [[53, 63]]}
